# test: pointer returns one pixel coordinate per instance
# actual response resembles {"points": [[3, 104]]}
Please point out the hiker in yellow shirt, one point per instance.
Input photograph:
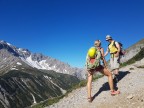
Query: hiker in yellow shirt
{"points": [[114, 50]]}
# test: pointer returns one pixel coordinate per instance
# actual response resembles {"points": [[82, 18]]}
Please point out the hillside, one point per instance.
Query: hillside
{"points": [[32, 86], [133, 50], [131, 85]]}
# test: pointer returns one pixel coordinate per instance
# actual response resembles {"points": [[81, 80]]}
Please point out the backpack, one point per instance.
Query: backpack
{"points": [[93, 63], [122, 51]]}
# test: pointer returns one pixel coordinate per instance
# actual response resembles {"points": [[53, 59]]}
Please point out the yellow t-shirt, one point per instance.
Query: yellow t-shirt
{"points": [[112, 48]]}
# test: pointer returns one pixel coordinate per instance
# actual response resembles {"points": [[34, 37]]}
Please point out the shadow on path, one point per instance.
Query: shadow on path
{"points": [[105, 86]]}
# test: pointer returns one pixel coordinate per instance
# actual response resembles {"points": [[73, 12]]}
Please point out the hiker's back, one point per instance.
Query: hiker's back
{"points": [[93, 58]]}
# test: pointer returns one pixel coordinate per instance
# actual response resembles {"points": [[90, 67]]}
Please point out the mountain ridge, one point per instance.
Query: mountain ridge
{"points": [[38, 60]]}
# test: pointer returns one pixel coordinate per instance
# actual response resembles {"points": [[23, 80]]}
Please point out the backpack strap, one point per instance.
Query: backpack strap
{"points": [[120, 44], [114, 44]]}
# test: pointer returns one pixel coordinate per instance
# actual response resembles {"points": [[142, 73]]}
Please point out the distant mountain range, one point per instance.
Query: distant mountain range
{"points": [[27, 78], [12, 57]]}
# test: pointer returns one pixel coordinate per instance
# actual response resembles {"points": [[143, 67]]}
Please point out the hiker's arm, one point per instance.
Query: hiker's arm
{"points": [[106, 53], [103, 58], [118, 47]]}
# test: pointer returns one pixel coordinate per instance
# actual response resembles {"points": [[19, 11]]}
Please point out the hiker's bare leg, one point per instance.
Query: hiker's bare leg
{"points": [[110, 79], [89, 84]]}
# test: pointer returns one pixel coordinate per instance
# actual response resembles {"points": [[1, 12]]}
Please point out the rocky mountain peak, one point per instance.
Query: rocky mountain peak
{"points": [[38, 57], [36, 60]]}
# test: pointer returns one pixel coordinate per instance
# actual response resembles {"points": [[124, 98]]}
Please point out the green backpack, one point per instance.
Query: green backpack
{"points": [[96, 63]]}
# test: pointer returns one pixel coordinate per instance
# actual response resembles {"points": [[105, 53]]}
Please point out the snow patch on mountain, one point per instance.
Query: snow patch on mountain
{"points": [[42, 65], [34, 100], [14, 68], [33, 63], [18, 63], [9, 44], [45, 65], [21, 50]]}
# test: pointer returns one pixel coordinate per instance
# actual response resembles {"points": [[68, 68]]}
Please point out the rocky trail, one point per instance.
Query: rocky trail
{"points": [[131, 85]]}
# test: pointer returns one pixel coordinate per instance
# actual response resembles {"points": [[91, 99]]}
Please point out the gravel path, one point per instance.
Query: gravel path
{"points": [[131, 85]]}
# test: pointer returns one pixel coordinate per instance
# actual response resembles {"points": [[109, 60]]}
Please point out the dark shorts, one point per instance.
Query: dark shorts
{"points": [[98, 69]]}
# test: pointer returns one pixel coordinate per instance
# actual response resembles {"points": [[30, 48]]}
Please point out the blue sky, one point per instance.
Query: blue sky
{"points": [[65, 29]]}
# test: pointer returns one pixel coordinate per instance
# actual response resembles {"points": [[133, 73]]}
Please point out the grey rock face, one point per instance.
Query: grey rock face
{"points": [[133, 50], [9, 48], [7, 61], [23, 52], [38, 57]]}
